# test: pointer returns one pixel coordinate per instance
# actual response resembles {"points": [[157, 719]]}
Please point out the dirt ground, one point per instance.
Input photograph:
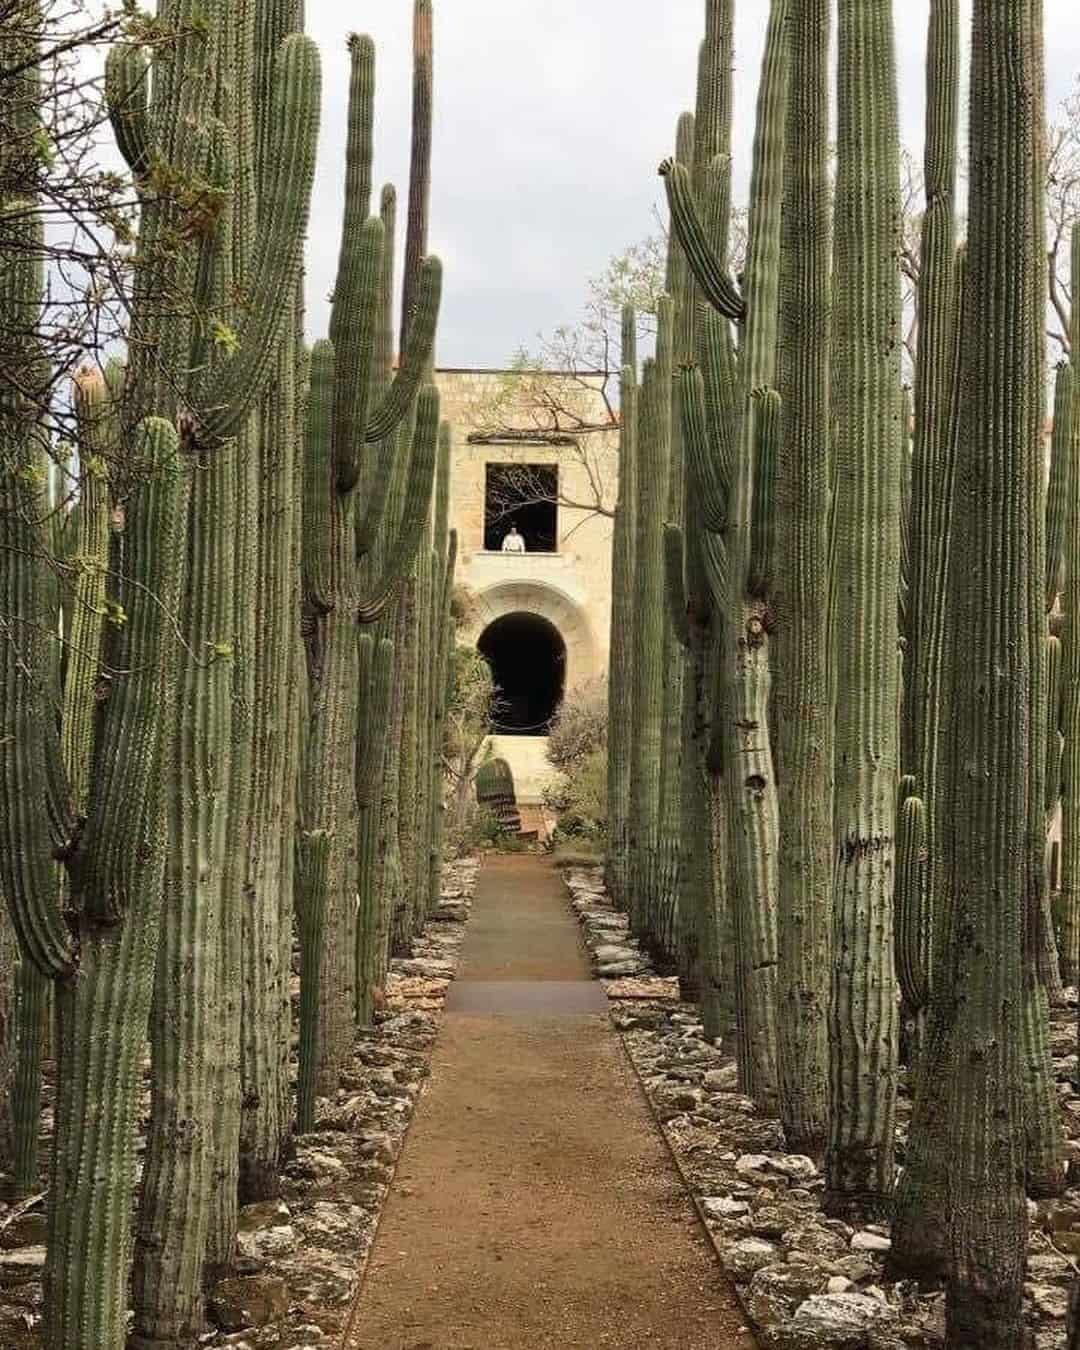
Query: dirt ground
{"points": [[535, 1204]]}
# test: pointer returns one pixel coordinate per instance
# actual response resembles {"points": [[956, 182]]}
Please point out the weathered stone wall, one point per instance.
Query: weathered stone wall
{"points": [[572, 587]]}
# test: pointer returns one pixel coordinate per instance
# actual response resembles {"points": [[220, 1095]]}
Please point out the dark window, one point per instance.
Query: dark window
{"points": [[522, 497]]}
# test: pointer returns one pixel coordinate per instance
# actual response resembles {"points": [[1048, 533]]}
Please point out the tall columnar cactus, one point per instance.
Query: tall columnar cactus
{"points": [[347, 488], [100, 950], [266, 937], [802, 703], [671, 854], [110, 928], [866, 563], [190, 126], [653, 453], [696, 619], [732, 428], [623, 627], [374, 689], [1069, 901], [990, 717], [978, 1228], [443, 562]]}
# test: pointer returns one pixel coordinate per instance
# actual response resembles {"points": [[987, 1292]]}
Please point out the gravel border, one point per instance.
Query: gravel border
{"points": [[805, 1281]]}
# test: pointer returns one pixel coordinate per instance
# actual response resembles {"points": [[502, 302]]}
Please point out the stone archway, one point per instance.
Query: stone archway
{"points": [[545, 602], [527, 656]]}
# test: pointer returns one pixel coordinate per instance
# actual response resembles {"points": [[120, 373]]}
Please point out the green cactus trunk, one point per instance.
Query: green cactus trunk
{"points": [[266, 931], [197, 997], [866, 562], [1069, 901], [933, 451], [354, 405], [266, 901], [990, 719], [732, 422], [746, 674], [803, 705], [623, 621], [33, 1001], [376, 664], [99, 1072], [652, 453]]}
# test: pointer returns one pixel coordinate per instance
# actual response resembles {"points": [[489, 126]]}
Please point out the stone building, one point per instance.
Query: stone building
{"points": [[536, 453]]}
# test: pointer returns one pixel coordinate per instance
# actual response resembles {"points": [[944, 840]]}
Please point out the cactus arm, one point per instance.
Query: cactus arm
{"points": [[767, 427], [398, 399], [912, 916], [1054, 743], [238, 382], [359, 149], [353, 336], [704, 470], [104, 866], [127, 94], [628, 343], [357, 288], [89, 565], [1058, 487], [378, 494], [318, 552], [27, 868], [709, 270], [417, 505], [675, 581], [416, 235]]}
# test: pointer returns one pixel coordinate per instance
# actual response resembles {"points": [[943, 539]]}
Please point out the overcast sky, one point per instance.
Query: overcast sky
{"points": [[551, 118]]}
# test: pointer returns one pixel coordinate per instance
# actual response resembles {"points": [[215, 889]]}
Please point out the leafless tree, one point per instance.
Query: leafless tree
{"points": [[1063, 210], [61, 202]]}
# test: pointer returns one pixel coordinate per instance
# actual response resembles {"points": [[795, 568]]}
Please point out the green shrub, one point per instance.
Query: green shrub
{"points": [[579, 799], [579, 728]]}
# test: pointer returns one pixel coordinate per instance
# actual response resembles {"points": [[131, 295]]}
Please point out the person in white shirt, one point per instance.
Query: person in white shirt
{"points": [[513, 542]]}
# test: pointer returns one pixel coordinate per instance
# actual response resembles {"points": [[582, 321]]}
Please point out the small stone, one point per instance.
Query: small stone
{"points": [[776, 1291], [866, 1241], [21, 1264], [248, 1301], [745, 1258], [1049, 1268], [838, 1284], [793, 1166], [839, 1321], [722, 1080], [750, 1163], [1051, 1300], [724, 1207]]}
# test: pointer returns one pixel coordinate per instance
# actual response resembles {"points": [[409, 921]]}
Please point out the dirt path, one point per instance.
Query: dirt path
{"points": [[535, 1204]]}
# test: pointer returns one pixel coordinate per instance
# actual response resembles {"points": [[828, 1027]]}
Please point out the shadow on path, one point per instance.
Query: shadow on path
{"points": [[536, 1204]]}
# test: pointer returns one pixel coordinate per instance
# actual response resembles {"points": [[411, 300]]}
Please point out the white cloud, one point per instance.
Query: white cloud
{"points": [[551, 120]]}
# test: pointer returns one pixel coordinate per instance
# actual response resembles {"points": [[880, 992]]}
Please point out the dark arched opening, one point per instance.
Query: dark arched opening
{"points": [[528, 663]]}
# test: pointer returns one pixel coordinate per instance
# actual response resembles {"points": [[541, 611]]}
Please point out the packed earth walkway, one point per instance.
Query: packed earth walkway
{"points": [[536, 1204]]}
